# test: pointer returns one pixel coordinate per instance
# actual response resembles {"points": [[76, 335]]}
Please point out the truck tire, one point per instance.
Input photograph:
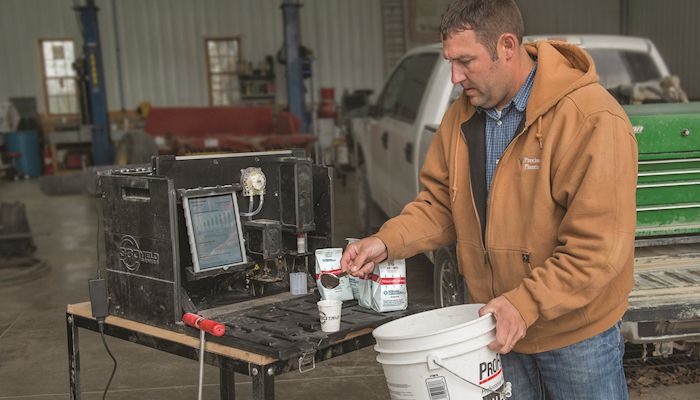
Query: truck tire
{"points": [[449, 287], [370, 215]]}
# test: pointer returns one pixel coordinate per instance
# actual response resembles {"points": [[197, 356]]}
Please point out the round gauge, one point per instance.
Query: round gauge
{"points": [[253, 181], [257, 181]]}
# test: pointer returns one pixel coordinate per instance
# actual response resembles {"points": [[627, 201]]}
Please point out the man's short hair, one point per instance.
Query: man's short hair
{"points": [[488, 18]]}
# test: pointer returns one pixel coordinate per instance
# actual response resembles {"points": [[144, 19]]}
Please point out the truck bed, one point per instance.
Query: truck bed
{"points": [[665, 301]]}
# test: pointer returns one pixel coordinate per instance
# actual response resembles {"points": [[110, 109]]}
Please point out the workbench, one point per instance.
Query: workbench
{"points": [[80, 138], [265, 338]]}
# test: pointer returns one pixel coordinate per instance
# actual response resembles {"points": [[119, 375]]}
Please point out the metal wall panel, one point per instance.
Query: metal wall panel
{"points": [[570, 16], [562, 16], [673, 26], [22, 24], [162, 41], [395, 35], [346, 37], [162, 44]]}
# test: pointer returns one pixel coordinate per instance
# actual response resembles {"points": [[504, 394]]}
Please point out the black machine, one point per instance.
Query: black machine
{"points": [[189, 234]]}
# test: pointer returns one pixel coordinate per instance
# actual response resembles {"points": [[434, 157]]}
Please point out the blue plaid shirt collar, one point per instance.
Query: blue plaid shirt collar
{"points": [[519, 101]]}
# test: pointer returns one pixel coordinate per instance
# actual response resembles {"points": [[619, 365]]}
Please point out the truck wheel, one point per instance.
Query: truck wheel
{"points": [[371, 216], [449, 287]]}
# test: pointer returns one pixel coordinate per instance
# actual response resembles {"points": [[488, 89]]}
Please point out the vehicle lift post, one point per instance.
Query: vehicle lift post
{"points": [[102, 150], [294, 72]]}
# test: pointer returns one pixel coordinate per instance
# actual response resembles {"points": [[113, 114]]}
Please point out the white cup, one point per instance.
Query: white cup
{"points": [[329, 312]]}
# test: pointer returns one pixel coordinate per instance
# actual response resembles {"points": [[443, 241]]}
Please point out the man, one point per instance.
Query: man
{"points": [[532, 174]]}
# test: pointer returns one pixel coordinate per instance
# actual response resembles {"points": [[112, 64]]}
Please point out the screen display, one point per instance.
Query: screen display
{"points": [[214, 227]]}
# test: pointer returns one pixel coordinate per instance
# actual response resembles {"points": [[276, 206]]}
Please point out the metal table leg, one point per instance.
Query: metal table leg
{"points": [[263, 382], [227, 382], [73, 358]]}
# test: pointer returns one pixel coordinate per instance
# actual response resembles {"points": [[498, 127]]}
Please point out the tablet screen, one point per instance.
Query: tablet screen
{"points": [[213, 224]]}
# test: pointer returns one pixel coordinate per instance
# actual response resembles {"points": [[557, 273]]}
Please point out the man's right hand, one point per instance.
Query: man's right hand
{"points": [[360, 257]]}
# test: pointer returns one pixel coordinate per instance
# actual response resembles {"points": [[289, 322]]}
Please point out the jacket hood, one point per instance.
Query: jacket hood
{"points": [[561, 68], [564, 67]]}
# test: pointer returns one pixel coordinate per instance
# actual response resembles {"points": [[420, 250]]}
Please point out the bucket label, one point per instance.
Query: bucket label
{"points": [[489, 395], [491, 378], [437, 388], [400, 391], [489, 370]]}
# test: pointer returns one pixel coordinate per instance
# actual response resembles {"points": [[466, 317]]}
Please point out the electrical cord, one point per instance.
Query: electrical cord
{"points": [[101, 319], [200, 385], [97, 237], [101, 326]]}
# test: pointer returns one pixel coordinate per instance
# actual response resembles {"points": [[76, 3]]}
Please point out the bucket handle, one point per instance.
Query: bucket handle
{"points": [[505, 391]]}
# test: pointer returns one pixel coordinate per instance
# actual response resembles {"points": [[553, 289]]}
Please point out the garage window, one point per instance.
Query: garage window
{"points": [[223, 55], [60, 81]]}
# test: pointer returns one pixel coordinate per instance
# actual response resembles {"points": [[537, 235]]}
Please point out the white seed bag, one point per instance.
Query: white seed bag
{"points": [[355, 286], [354, 281], [364, 291], [386, 289], [328, 261]]}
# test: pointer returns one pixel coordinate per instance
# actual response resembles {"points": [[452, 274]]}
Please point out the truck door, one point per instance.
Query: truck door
{"points": [[380, 172], [403, 125]]}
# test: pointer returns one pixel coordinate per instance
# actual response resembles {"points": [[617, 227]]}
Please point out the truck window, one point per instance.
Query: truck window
{"points": [[404, 91], [620, 67]]}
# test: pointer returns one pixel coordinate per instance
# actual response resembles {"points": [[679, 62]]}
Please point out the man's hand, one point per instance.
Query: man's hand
{"points": [[360, 257], [510, 325]]}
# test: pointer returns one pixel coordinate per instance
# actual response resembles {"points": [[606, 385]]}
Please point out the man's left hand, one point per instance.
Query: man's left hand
{"points": [[510, 325]]}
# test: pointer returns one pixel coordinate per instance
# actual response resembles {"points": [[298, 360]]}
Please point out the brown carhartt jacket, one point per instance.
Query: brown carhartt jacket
{"points": [[556, 237]]}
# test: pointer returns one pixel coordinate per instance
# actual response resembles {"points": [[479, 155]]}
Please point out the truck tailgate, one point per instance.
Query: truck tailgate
{"points": [[666, 297]]}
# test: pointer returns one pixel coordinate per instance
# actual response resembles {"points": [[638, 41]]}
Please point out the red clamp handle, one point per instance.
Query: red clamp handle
{"points": [[206, 325]]}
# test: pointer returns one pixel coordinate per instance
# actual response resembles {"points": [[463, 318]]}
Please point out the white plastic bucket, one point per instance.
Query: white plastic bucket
{"points": [[441, 354]]}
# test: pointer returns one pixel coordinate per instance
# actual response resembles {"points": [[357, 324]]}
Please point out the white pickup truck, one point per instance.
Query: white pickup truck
{"points": [[391, 142]]}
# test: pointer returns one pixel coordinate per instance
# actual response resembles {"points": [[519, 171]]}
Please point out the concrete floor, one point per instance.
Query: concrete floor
{"points": [[33, 350]]}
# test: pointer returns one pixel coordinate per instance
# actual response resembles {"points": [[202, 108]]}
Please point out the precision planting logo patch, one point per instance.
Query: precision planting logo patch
{"points": [[529, 163], [132, 256]]}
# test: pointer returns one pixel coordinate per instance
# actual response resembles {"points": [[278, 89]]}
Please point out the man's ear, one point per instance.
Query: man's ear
{"points": [[509, 43]]}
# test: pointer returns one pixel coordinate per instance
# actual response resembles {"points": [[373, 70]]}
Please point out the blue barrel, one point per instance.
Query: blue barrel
{"points": [[26, 143]]}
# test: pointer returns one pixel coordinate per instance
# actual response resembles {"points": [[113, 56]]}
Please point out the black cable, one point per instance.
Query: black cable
{"points": [[100, 324], [100, 321], [97, 238], [98, 211]]}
